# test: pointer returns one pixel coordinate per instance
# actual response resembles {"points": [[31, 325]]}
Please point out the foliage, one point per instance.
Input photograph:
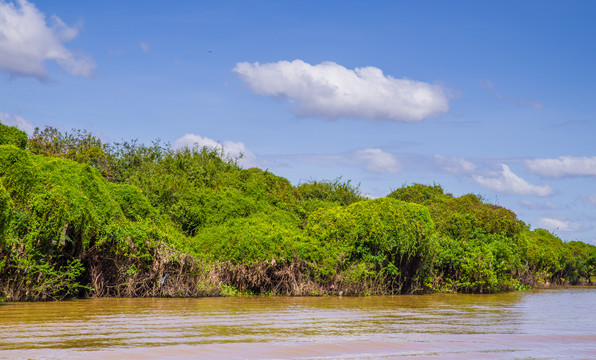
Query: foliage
{"points": [[335, 191], [60, 196], [252, 239], [58, 211], [80, 217], [127, 157], [10, 135], [6, 209], [420, 194], [460, 217], [395, 236], [559, 262], [483, 263], [484, 248], [80, 146], [197, 188]]}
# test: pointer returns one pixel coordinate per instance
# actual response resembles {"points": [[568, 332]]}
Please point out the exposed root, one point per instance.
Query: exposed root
{"points": [[173, 274]]}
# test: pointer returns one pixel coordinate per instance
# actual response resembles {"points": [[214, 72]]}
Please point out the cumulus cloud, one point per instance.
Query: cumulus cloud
{"points": [[27, 41], [488, 85], [556, 224], [332, 91], [377, 161], [17, 121], [563, 166], [506, 182], [230, 149], [454, 165]]}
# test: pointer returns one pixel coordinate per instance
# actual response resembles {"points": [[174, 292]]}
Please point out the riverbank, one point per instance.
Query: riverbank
{"points": [[80, 218]]}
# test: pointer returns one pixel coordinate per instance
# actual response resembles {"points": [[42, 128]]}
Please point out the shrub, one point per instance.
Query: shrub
{"points": [[79, 145], [420, 194], [6, 209], [10, 135], [556, 261], [253, 239], [336, 191], [461, 217], [395, 236]]}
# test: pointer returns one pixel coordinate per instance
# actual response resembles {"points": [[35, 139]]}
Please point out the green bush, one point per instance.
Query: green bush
{"points": [[55, 196], [420, 194], [10, 135], [395, 236], [545, 252], [79, 145], [483, 263], [17, 173], [71, 206], [59, 211], [461, 217], [259, 237], [478, 248], [263, 186], [559, 262], [334, 191], [134, 205], [6, 209]]}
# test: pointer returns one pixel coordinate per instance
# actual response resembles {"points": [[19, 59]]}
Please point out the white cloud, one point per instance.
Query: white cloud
{"points": [[332, 91], [377, 161], [556, 224], [145, 47], [454, 165], [231, 149], [563, 166], [17, 121], [506, 182], [26, 42]]}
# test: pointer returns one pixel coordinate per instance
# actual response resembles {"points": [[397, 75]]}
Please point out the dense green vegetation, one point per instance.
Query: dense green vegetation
{"points": [[82, 218]]}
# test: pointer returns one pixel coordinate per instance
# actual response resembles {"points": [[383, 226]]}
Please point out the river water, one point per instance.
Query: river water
{"points": [[547, 324]]}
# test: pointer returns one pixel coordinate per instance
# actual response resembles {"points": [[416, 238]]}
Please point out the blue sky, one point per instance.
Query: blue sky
{"points": [[483, 97]]}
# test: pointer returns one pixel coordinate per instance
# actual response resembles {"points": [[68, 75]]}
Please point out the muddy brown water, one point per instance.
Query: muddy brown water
{"points": [[548, 324]]}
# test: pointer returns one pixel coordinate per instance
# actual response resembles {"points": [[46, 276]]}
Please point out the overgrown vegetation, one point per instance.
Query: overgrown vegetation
{"points": [[82, 218]]}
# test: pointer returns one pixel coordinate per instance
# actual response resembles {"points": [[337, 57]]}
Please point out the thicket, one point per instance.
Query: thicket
{"points": [[82, 218], [12, 136], [483, 247]]}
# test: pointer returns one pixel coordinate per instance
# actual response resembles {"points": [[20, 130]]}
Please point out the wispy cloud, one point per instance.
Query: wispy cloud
{"points": [[572, 123], [17, 121], [230, 149], [331, 91], [454, 165], [590, 198], [145, 47], [370, 160], [507, 182], [520, 101], [563, 166], [112, 53], [26, 42], [531, 205], [557, 224], [377, 161]]}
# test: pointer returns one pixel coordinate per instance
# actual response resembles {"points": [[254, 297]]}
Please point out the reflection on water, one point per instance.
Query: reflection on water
{"points": [[545, 324]]}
